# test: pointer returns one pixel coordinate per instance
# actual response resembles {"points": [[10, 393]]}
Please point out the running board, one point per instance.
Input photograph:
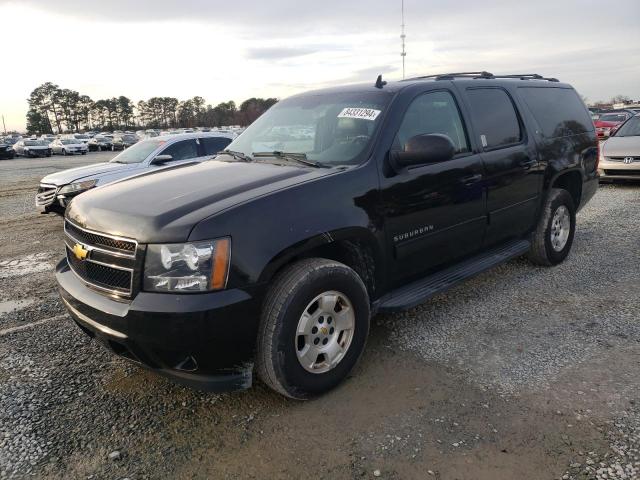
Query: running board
{"points": [[421, 290]]}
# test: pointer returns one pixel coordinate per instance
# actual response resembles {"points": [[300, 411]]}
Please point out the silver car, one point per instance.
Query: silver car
{"points": [[620, 154], [57, 189]]}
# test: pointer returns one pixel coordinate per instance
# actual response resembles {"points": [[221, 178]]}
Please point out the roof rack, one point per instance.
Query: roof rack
{"points": [[484, 75]]}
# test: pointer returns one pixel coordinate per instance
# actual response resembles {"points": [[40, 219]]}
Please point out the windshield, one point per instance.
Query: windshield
{"points": [[613, 117], [139, 152], [34, 143], [630, 129], [130, 138], [69, 142], [331, 129], [81, 136]]}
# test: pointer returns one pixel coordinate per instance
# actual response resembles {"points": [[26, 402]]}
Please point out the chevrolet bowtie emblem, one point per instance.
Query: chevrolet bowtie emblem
{"points": [[80, 252]]}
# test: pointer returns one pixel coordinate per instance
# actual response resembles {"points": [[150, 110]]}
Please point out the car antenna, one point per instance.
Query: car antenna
{"points": [[379, 82]]}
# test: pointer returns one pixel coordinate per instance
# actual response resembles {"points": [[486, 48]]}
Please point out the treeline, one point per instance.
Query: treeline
{"points": [[57, 110]]}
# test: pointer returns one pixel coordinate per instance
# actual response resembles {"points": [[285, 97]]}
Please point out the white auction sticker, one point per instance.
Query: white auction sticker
{"points": [[362, 113]]}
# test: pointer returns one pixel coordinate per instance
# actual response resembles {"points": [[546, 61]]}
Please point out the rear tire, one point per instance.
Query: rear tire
{"points": [[64, 152], [553, 237], [303, 365]]}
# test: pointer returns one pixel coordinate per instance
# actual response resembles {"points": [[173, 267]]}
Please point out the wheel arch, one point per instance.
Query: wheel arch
{"points": [[356, 247], [570, 180]]}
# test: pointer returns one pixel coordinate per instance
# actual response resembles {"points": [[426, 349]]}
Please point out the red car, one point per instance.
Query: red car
{"points": [[609, 122]]}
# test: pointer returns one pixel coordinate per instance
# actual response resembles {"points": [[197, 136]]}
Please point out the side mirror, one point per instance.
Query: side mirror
{"points": [[423, 149], [160, 159]]}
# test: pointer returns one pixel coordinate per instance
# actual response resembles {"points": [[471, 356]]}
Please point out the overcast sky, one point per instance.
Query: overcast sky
{"points": [[233, 50]]}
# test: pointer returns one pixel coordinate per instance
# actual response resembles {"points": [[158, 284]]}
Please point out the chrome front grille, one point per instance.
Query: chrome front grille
{"points": [[109, 263], [627, 159], [107, 242], [46, 195]]}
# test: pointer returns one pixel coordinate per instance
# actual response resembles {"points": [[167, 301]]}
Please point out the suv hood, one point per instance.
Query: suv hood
{"points": [[73, 174], [165, 205]]}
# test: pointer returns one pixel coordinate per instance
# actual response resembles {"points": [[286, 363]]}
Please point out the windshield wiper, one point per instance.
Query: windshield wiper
{"points": [[292, 156], [236, 155]]}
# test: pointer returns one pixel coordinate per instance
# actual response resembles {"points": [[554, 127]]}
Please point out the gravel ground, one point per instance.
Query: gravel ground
{"points": [[523, 372]]}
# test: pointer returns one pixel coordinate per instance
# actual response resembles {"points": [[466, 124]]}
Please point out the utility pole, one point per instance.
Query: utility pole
{"points": [[402, 37], [4, 127]]}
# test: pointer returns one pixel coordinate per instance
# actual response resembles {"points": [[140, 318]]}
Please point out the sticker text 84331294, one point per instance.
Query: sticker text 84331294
{"points": [[361, 113]]}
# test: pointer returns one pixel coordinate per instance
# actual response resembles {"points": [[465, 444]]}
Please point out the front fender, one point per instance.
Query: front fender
{"points": [[270, 231]]}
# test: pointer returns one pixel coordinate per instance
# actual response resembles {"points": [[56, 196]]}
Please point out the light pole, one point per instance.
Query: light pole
{"points": [[403, 54]]}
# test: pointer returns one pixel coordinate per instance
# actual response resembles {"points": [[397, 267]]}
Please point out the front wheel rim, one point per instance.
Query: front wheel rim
{"points": [[560, 228], [325, 332]]}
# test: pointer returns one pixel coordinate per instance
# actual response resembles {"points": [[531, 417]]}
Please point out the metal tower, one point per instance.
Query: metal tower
{"points": [[403, 54]]}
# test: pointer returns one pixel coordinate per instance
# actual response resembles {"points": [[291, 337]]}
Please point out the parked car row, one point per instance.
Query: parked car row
{"points": [[81, 143], [608, 122]]}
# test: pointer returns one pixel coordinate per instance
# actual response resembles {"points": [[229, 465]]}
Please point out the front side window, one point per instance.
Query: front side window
{"points": [[433, 112], [329, 128], [494, 117], [182, 150], [213, 145]]}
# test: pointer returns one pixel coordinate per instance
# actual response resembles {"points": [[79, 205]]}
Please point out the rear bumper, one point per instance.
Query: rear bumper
{"points": [[204, 341]]}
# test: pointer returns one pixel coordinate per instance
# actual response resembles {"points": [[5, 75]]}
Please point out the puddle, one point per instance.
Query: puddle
{"points": [[12, 305], [25, 265]]}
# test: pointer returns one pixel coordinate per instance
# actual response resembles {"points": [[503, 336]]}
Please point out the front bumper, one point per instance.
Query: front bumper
{"points": [[37, 153], [205, 341], [610, 171]]}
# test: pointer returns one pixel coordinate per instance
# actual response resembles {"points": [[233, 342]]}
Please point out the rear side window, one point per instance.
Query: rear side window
{"points": [[558, 111], [494, 117], [213, 145]]}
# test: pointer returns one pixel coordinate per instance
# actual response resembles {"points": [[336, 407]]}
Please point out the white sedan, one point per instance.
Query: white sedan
{"points": [[69, 146]]}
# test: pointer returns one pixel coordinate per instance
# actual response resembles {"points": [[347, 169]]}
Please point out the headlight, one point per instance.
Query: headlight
{"points": [[78, 187], [187, 267]]}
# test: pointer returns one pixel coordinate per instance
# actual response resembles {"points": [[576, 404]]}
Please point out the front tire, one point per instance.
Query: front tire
{"points": [[553, 237], [313, 328]]}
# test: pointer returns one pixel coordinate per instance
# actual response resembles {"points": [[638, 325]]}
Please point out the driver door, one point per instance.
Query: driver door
{"points": [[434, 213]]}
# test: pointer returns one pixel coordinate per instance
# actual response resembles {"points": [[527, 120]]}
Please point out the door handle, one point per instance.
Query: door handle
{"points": [[471, 179]]}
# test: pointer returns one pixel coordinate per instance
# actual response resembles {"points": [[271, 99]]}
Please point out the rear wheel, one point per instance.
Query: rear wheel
{"points": [[553, 237], [64, 152], [313, 328]]}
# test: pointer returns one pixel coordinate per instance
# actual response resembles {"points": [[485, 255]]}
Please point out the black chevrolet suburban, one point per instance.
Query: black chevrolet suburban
{"points": [[332, 206]]}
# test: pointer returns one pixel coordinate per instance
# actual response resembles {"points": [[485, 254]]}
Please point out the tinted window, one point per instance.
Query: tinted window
{"points": [[558, 111], [433, 112], [213, 145], [494, 117], [183, 150]]}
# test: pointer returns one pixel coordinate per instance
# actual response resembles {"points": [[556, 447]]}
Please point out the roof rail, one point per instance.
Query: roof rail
{"points": [[484, 75], [451, 76]]}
